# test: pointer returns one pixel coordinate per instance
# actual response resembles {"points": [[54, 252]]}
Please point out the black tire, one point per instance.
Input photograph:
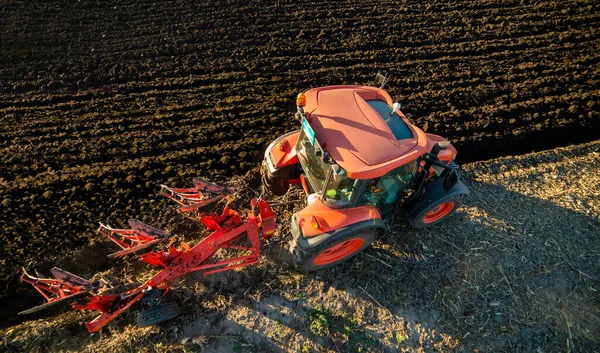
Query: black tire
{"points": [[271, 183], [307, 261], [424, 219], [157, 314]]}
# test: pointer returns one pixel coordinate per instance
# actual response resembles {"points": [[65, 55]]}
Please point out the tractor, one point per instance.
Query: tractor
{"points": [[359, 160]]}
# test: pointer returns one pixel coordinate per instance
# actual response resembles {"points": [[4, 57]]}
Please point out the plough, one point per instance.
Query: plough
{"points": [[111, 298]]}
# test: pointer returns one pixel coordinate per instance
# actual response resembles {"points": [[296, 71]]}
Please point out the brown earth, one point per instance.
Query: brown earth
{"points": [[102, 100]]}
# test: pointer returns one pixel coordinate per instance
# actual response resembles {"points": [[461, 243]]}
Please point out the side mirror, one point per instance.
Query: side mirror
{"points": [[339, 173], [444, 144], [395, 108]]}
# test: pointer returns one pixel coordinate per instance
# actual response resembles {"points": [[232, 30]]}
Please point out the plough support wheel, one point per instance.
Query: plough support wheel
{"points": [[157, 314]]}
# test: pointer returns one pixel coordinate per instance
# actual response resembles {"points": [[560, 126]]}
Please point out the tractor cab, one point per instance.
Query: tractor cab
{"points": [[342, 191], [358, 157], [331, 183]]}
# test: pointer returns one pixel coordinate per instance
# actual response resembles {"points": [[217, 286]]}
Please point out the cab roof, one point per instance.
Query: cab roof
{"points": [[349, 127]]}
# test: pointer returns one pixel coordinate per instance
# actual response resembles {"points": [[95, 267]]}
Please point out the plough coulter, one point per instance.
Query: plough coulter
{"points": [[111, 298]]}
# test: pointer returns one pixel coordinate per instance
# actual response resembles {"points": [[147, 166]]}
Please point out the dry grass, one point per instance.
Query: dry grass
{"points": [[516, 269]]}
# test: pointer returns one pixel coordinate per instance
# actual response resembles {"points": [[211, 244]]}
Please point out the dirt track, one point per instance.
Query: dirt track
{"points": [[102, 100]]}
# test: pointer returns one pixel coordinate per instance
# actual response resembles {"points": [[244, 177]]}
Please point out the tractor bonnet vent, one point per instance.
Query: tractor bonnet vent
{"points": [[395, 123]]}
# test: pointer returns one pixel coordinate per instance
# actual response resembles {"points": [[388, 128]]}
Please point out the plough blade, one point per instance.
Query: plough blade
{"points": [[82, 294], [196, 199], [45, 306], [143, 227], [207, 186], [139, 237], [66, 276], [64, 287]]}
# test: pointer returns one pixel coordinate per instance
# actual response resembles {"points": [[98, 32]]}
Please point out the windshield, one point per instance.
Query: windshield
{"points": [[338, 194], [315, 169]]}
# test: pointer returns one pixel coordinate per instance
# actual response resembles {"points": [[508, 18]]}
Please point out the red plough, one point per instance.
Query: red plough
{"points": [[197, 203]]}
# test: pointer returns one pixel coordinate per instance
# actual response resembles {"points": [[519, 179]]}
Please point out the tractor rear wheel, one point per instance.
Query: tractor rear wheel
{"points": [[333, 253], [272, 183], [436, 212], [157, 314]]}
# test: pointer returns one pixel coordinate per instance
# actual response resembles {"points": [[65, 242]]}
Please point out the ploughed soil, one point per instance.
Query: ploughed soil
{"points": [[100, 101]]}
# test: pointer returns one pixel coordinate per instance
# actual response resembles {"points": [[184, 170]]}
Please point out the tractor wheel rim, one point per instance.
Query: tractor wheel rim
{"points": [[438, 212], [339, 251]]}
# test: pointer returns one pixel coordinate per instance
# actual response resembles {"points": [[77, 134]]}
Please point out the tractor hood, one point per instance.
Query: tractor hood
{"points": [[351, 124]]}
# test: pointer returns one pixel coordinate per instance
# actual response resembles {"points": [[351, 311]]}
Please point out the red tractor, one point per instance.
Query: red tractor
{"points": [[358, 159]]}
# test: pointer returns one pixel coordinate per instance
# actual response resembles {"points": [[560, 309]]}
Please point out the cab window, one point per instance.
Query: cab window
{"points": [[315, 169], [387, 189], [339, 194]]}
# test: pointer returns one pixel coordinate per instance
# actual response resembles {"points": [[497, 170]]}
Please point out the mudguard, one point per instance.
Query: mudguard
{"points": [[280, 166], [282, 152], [434, 191]]}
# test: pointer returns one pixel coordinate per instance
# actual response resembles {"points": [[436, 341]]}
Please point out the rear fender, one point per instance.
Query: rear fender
{"points": [[433, 191], [282, 151], [280, 165]]}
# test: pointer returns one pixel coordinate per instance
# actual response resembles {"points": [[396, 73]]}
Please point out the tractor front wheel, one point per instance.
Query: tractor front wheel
{"points": [[436, 212], [333, 253]]}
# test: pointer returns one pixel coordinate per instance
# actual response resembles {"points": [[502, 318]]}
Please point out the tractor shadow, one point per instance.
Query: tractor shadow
{"points": [[509, 272]]}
